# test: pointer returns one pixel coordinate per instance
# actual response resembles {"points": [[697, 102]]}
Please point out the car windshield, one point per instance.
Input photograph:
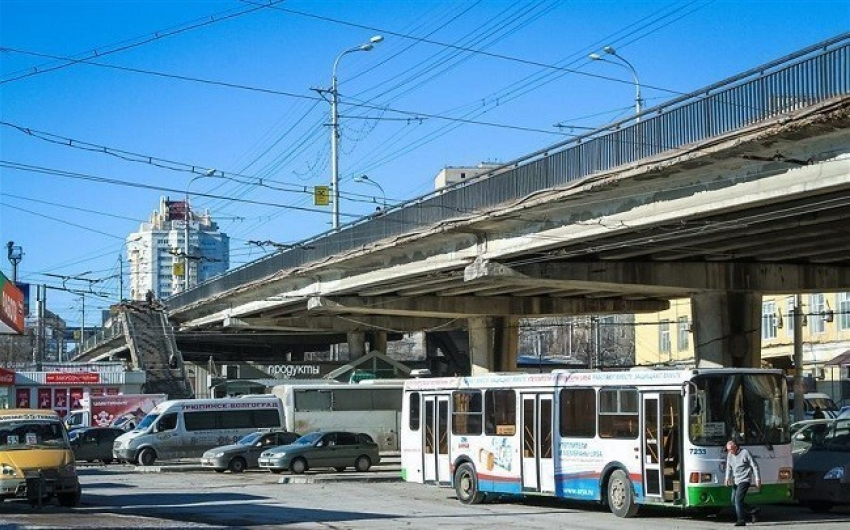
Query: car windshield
{"points": [[308, 439], [750, 408], [147, 421], [836, 438], [32, 434], [825, 404], [251, 439]]}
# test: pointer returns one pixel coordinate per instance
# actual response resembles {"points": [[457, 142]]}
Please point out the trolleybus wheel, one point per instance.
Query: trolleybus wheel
{"points": [[621, 500], [466, 485]]}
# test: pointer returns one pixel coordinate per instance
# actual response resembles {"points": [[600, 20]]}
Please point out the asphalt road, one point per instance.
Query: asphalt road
{"points": [[119, 497]]}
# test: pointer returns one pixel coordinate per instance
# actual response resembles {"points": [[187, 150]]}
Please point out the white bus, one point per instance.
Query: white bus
{"points": [[623, 439], [372, 407], [186, 428]]}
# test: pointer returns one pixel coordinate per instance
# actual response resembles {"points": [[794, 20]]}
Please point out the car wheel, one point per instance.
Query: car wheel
{"points": [[147, 456], [820, 506], [340, 468], [621, 500], [363, 463], [466, 485], [298, 466], [237, 465], [72, 499]]}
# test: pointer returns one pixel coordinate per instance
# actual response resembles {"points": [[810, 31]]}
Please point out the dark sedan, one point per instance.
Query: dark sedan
{"points": [[94, 443], [822, 474], [244, 453]]}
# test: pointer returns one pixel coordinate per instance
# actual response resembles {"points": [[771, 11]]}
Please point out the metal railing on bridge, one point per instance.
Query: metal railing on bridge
{"points": [[802, 79]]}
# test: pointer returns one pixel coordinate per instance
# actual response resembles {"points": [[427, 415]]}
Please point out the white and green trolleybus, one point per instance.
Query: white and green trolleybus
{"points": [[625, 438]]}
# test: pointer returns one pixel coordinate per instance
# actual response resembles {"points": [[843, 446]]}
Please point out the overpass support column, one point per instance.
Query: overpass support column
{"points": [[727, 328], [481, 345], [379, 341], [356, 345], [506, 344]]}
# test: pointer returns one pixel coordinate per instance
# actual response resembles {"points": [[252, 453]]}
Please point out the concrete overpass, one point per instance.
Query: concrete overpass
{"points": [[728, 193]]}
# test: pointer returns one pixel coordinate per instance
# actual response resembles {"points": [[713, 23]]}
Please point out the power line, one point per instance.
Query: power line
{"points": [[206, 21]]}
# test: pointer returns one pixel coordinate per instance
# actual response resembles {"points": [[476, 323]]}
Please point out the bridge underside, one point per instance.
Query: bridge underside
{"points": [[761, 211]]}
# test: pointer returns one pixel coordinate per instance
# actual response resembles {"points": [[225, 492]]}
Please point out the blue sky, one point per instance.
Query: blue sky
{"points": [[159, 93]]}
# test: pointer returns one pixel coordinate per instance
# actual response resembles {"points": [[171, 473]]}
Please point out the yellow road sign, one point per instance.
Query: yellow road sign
{"points": [[321, 195]]}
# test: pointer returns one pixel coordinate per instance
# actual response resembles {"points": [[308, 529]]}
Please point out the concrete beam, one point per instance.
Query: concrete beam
{"points": [[469, 306], [666, 278], [334, 324]]}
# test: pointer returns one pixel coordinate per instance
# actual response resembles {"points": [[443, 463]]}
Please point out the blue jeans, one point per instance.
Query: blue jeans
{"points": [[738, 494]]}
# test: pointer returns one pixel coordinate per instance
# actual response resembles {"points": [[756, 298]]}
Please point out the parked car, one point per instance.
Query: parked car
{"points": [[244, 454], [804, 432], [94, 443], [844, 412], [822, 474], [338, 450]]}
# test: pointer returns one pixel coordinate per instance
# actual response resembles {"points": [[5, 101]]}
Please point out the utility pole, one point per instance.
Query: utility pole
{"points": [[799, 391], [120, 278]]}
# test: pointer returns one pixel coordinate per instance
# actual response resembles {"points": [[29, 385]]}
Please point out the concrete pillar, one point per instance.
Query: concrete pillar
{"points": [[356, 345], [727, 328], [505, 344], [379, 341], [481, 345]]}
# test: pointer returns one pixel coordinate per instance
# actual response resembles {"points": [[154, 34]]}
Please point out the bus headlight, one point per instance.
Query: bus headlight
{"points": [[785, 473], [700, 478], [836, 473], [68, 470], [7, 471]]}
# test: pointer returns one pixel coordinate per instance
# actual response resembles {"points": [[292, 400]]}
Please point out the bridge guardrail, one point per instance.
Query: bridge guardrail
{"points": [[807, 77]]}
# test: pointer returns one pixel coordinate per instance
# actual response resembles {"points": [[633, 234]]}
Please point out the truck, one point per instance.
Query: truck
{"points": [[123, 410]]}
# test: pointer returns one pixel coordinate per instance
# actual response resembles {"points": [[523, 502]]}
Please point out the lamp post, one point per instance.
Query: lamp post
{"points": [[364, 179], [187, 215], [625, 64], [365, 47]]}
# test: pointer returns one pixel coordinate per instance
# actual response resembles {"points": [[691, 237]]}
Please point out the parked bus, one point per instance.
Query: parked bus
{"points": [[371, 406], [186, 428], [624, 439]]}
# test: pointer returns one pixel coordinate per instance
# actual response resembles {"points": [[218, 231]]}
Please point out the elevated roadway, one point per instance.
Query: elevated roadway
{"points": [[731, 192]]}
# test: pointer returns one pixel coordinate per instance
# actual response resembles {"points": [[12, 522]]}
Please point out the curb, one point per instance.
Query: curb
{"points": [[381, 476]]}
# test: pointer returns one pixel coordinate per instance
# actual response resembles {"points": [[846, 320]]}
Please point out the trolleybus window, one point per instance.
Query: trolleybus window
{"points": [[466, 412], [618, 413], [500, 412], [414, 411], [578, 412], [747, 407], [306, 400]]}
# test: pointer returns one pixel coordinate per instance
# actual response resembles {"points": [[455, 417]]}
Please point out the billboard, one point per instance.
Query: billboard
{"points": [[11, 307]]}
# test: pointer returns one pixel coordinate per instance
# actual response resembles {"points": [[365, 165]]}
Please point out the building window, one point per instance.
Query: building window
{"points": [[789, 316], [817, 308], [768, 320], [684, 334], [664, 336], [843, 311]]}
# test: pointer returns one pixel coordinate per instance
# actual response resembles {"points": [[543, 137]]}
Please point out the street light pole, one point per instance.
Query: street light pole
{"points": [[366, 180], [625, 64], [335, 126], [186, 217]]}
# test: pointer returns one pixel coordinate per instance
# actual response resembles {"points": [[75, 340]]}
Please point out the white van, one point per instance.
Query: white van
{"points": [[812, 400], [186, 428]]}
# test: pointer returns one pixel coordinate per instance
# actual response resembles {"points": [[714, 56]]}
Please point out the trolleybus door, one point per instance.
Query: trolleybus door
{"points": [[660, 440], [435, 443], [538, 468]]}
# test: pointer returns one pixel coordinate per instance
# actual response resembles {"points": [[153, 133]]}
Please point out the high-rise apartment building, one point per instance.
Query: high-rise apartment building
{"points": [[160, 260]]}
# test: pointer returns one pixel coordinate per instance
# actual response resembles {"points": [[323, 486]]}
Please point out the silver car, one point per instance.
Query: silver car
{"points": [[243, 454], [337, 450]]}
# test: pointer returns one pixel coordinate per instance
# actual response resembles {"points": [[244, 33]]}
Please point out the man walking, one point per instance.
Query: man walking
{"points": [[741, 471]]}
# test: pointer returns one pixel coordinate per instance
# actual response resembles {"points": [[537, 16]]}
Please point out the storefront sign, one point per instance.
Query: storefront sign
{"points": [[11, 307], [72, 378], [299, 371], [7, 377]]}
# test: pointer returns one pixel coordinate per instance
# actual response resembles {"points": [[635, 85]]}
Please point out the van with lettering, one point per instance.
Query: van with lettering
{"points": [[186, 428], [36, 459]]}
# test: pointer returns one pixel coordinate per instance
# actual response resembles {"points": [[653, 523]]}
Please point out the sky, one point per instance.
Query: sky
{"points": [[108, 106]]}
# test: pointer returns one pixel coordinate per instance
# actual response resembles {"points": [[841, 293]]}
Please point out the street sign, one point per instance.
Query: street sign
{"points": [[178, 269], [321, 195]]}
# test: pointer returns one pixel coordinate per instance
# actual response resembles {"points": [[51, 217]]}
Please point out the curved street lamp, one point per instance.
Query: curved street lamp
{"points": [[365, 47], [609, 50], [364, 179]]}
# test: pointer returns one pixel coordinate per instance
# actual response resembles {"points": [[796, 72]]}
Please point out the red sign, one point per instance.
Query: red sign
{"points": [[7, 377], [60, 398], [76, 398], [22, 398], [72, 378], [44, 398], [11, 307]]}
